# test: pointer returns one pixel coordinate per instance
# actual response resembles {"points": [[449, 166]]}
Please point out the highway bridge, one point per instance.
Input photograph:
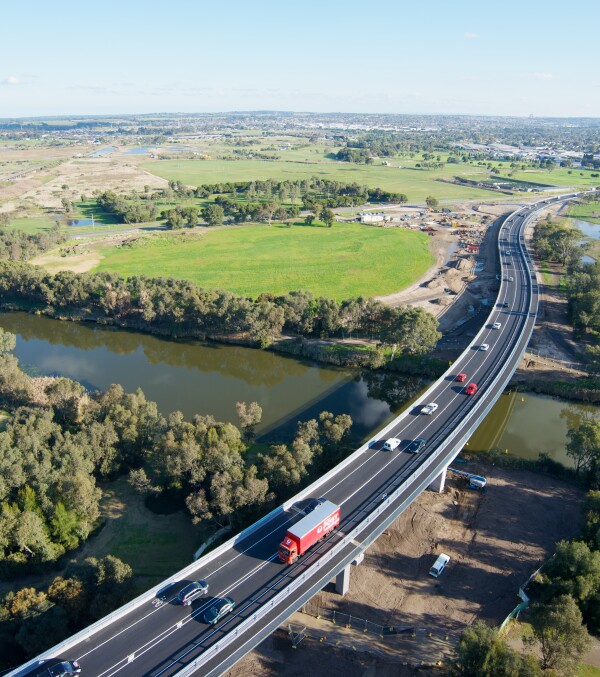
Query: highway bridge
{"points": [[154, 635]]}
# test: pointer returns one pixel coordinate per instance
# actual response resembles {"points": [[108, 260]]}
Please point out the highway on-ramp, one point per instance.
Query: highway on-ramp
{"points": [[162, 637]]}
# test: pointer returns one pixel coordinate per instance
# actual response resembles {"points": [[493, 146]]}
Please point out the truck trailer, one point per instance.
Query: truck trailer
{"points": [[308, 531]]}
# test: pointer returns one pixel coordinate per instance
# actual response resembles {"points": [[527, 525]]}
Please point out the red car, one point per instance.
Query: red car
{"points": [[471, 389], [461, 377]]}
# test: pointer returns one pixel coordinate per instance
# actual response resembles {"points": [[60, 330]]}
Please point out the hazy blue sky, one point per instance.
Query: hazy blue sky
{"points": [[439, 56]]}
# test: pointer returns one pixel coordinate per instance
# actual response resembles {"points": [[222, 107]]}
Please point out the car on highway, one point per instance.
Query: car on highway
{"points": [[496, 325], [484, 346], [416, 445], [428, 409], [461, 377], [391, 444], [312, 504], [471, 389], [511, 279], [64, 669], [220, 608], [188, 594], [503, 305]]}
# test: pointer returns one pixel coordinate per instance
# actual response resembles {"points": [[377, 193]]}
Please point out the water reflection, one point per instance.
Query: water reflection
{"points": [[207, 378], [525, 425]]}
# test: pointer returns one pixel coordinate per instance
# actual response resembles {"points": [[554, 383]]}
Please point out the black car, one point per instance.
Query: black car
{"points": [[64, 669], [312, 504], [416, 445], [190, 592]]}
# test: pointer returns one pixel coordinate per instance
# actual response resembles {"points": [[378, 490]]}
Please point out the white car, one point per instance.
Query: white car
{"points": [[496, 325], [511, 279], [391, 444], [429, 408], [484, 346]]}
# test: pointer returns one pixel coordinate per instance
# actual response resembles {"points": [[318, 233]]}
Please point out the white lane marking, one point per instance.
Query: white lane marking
{"points": [[171, 629]]}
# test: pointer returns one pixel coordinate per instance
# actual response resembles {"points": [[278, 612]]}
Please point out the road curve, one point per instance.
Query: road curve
{"points": [[157, 636]]}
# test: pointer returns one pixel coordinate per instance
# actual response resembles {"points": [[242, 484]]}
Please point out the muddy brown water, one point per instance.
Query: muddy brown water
{"points": [[198, 378]]}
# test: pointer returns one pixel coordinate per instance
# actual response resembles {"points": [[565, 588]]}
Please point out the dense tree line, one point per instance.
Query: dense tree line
{"points": [[16, 245], [242, 201], [32, 620], [129, 209], [181, 308], [582, 281]]}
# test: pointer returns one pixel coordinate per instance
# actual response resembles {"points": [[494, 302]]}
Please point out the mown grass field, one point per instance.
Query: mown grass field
{"points": [[557, 177], [340, 262], [588, 211], [416, 183]]}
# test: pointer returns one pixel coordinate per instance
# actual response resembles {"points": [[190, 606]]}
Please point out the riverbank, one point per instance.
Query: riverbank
{"points": [[535, 374]]}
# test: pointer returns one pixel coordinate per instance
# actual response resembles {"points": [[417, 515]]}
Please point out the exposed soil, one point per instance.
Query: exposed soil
{"points": [[495, 539]]}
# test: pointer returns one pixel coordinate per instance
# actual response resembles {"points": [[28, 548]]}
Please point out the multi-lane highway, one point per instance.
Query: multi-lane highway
{"points": [[158, 636]]}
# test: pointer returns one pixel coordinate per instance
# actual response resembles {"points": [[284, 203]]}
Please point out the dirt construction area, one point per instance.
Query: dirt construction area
{"points": [[396, 617]]}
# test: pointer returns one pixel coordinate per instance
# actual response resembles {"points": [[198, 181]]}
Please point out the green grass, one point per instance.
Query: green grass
{"points": [[557, 177], [586, 211], [344, 261], [416, 183], [33, 224], [589, 671], [153, 545]]}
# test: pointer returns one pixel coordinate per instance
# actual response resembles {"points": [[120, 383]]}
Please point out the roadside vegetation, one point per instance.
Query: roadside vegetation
{"points": [[564, 611]]}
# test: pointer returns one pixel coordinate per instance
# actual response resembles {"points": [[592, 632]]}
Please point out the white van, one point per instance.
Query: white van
{"points": [[391, 444], [439, 565]]}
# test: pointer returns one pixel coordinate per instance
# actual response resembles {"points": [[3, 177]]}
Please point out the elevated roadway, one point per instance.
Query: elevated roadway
{"points": [[154, 635]]}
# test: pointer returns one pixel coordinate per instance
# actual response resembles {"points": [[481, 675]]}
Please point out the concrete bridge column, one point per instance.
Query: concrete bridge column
{"points": [[342, 581], [439, 482]]}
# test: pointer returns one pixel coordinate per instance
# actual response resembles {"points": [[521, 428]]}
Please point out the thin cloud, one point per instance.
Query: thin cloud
{"points": [[471, 36], [538, 76], [11, 81]]}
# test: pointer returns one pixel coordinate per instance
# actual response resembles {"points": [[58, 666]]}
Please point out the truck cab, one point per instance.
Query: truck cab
{"points": [[288, 550]]}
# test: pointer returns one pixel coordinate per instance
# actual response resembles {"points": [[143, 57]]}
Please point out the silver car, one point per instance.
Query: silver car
{"points": [[188, 594]]}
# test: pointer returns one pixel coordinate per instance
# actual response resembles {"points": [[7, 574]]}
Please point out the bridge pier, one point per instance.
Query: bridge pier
{"points": [[439, 482], [342, 581]]}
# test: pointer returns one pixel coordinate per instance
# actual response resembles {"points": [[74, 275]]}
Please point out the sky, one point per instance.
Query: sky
{"points": [[484, 57]]}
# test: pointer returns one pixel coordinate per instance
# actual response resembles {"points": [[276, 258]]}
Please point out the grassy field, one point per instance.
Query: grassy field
{"points": [[154, 545], [589, 671], [557, 177], [340, 262], [588, 211], [416, 183]]}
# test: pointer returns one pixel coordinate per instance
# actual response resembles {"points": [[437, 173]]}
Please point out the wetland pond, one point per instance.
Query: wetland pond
{"points": [[200, 378]]}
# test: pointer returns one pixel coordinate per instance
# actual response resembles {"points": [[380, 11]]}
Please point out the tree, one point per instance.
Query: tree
{"points": [[328, 217], [584, 445], [213, 214], [563, 638], [308, 219], [67, 206], [250, 416], [4, 219], [8, 341], [482, 651], [431, 202]]}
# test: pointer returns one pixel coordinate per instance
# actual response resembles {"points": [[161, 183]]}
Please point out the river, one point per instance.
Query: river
{"points": [[199, 378]]}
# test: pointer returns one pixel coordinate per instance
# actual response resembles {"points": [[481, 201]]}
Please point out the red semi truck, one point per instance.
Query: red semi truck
{"points": [[310, 529]]}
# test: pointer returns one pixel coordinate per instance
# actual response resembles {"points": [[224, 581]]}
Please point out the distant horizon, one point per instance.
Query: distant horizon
{"points": [[292, 112], [512, 59]]}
